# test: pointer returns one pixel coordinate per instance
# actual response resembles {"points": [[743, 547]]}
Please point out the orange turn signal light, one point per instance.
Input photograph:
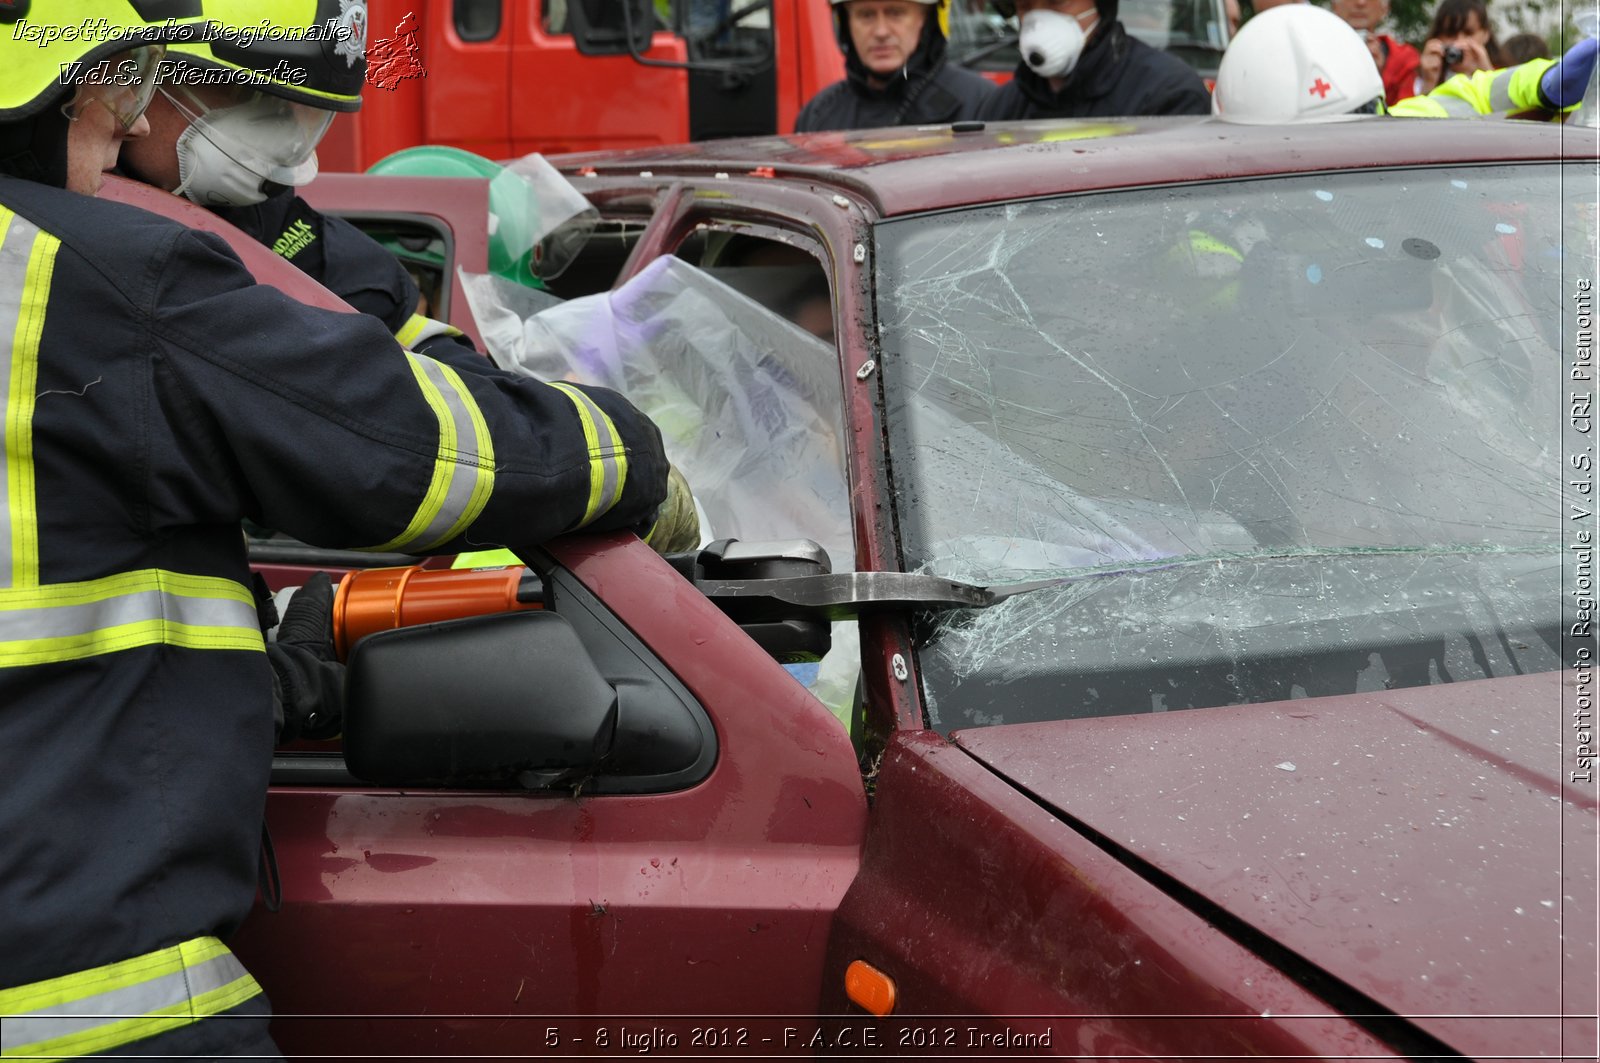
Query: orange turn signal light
{"points": [[869, 987]]}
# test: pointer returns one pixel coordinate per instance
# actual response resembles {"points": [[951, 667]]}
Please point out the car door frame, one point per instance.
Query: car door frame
{"points": [[839, 220]]}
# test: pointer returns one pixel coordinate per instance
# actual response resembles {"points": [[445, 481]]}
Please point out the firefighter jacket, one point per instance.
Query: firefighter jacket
{"points": [[1117, 76], [347, 262], [929, 91], [1511, 92], [155, 396]]}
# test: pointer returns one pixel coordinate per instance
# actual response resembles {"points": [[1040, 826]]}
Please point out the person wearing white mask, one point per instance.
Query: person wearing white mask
{"points": [[1078, 62], [234, 127]]}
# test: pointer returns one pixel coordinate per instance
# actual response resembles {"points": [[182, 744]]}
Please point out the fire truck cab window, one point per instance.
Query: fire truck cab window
{"points": [[476, 20]]}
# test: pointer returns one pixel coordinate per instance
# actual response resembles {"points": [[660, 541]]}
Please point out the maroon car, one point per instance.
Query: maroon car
{"points": [[1221, 504]]}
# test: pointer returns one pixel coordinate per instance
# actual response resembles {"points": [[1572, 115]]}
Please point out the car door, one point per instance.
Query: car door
{"points": [[424, 921]]}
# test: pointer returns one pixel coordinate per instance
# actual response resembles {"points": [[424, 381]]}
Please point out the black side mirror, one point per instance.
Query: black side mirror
{"points": [[611, 27], [511, 699]]}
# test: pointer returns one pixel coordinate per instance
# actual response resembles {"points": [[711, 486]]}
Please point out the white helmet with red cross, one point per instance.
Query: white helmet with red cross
{"points": [[1296, 63]]}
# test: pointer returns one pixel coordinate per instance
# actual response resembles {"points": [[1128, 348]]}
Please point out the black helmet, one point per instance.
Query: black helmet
{"points": [[935, 29], [1106, 8], [308, 51]]}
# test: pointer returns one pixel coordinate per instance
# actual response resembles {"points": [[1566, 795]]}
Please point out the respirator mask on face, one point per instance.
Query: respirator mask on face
{"points": [[229, 154], [1051, 42]]}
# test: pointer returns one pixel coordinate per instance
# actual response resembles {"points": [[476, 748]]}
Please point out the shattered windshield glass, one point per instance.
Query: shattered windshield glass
{"points": [[1291, 436]]}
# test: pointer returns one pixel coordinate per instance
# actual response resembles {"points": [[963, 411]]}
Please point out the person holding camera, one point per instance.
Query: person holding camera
{"points": [[1460, 41]]}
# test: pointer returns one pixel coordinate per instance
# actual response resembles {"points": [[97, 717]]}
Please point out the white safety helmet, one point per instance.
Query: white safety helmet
{"points": [[1296, 63]]}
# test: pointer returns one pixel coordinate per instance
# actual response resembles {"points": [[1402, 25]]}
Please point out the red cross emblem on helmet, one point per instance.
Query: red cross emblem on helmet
{"points": [[1321, 89]]}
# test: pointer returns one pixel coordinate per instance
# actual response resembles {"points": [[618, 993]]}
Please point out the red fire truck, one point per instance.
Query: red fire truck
{"points": [[552, 76], [504, 79]]}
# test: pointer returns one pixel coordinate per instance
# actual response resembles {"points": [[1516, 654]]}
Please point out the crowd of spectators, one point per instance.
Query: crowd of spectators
{"points": [[1460, 39], [1077, 61]]}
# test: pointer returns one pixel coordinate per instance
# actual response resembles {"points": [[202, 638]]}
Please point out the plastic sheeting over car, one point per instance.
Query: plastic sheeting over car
{"points": [[748, 404]]}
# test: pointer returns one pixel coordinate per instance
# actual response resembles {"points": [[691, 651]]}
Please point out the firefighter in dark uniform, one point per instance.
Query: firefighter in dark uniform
{"points": [[1079, 62], [155, 395], [234, 126], [239, 146], [896, 70]]}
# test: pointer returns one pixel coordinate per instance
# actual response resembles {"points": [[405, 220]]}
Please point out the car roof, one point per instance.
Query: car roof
{"points": [[912, 169]]}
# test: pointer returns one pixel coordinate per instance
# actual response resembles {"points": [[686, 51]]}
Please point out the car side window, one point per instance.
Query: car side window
{"points": [[784, 278], [790, 280]]}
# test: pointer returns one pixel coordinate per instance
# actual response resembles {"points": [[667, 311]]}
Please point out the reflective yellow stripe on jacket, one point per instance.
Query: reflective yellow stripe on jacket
{"points": [[27, 262], [419, 328], [463, 471], [496, 558], [42, 623], [608, 458], [114, 1005], [70, 621], [1486, 92]]}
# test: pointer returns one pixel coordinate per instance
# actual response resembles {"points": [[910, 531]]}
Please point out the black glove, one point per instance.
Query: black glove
{"points": [[307, 678]]}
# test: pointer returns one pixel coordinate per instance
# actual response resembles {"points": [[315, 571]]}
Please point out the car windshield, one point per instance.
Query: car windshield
{"points": [[1289, 436]]}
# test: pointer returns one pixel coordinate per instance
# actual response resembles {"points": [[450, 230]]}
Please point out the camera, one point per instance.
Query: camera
{"points": [[1452, 55]]}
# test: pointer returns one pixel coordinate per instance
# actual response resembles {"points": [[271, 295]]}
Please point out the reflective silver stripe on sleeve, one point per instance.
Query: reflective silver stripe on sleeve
{"points": [[142, 998], [462, 491], [1500, 91], [1454, 106], [608, 457]]}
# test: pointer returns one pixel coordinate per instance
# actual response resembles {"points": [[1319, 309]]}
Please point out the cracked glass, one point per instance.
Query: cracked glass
{"points": [[1284, 437]]}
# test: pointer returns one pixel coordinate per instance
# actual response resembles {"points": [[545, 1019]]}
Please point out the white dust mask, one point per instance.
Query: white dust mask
{"points": [[1051, 42], [228, 155]]}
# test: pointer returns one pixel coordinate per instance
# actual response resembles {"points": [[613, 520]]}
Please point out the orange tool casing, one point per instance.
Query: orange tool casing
{"points": [[378, 599]]}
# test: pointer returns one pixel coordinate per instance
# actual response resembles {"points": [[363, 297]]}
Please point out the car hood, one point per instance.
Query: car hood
{"points": [[1425, 847]]}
